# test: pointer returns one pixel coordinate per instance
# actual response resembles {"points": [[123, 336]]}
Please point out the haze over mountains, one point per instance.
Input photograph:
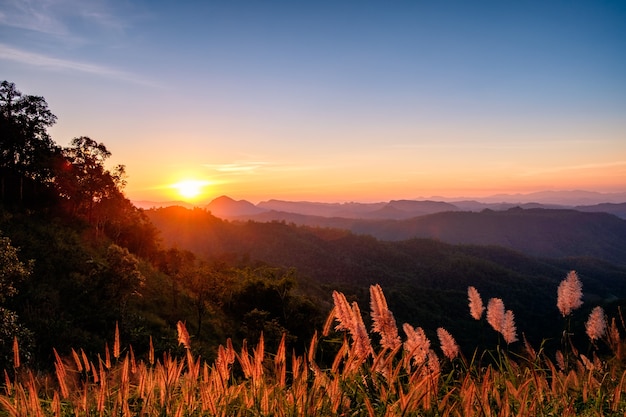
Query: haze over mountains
{"points": [[228, 208], [542, 229], [558, 198]]}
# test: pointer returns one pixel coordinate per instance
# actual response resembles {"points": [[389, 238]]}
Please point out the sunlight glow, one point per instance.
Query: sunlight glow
{"points": [[190, 189]]}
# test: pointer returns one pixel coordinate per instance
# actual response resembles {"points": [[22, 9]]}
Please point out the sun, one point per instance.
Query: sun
{"points": [[190, 189]]}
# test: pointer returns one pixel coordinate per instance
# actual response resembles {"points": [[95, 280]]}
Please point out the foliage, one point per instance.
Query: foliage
{"points": [[12, 272]]}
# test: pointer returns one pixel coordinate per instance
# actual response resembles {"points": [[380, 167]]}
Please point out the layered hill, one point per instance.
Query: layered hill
{"points": [[536, 232], [228, 208], [551, 233]]}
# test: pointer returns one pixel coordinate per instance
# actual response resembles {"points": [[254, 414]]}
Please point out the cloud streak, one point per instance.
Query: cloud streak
{"points": [[31, 15], [238, 168], [51, 17], [9, 53]]}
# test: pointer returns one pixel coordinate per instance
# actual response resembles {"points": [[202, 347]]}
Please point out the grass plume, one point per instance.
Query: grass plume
{"points": [[397, 378]]}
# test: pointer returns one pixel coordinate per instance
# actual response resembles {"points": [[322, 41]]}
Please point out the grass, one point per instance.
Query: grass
{"points": [[386, 378]]}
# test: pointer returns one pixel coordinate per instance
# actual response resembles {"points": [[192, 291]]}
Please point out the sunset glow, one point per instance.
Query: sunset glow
{"points": [[190, 189]]}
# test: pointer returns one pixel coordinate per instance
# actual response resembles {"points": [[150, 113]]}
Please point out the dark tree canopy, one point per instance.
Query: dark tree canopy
{"points": [[82, 179], [26, 148]]}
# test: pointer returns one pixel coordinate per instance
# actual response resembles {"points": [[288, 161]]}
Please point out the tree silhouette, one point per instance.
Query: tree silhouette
{"points": [[26, 149], [82, 179]]}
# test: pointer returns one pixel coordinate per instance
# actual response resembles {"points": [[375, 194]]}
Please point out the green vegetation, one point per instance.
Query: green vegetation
{"points": [[425, 280]]}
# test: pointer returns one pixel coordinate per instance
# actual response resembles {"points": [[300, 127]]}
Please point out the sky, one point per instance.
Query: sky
{"points": [[332, 100]]}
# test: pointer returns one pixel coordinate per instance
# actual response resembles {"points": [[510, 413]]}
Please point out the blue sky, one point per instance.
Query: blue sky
{"points": [[335, 101]]}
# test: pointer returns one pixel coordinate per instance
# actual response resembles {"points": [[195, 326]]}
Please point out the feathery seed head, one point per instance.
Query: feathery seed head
{"points": [[502, 321], [342, 311], [183, 335], [383, 321], [416, 344], [433, 364], [350, 319], [509, 331], [569, 294], [475, 303], [362, 345], [449, 346], [596, 324], [495, 313]]}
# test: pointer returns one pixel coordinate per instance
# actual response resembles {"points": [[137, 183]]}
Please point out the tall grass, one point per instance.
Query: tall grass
{"points": [[373, 374]]}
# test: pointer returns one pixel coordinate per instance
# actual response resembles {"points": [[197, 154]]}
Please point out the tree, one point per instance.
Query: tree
{"points": [[128, 226], [107, 286], [207, 284], [82, 179], [26, 149], [265, 288], [123, 277]]}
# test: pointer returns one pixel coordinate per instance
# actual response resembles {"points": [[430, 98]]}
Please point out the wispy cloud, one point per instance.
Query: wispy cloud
{"points": [[52, 17], [39, 60], [31, 15], [64, 25], [255, 167], [237, 168]]}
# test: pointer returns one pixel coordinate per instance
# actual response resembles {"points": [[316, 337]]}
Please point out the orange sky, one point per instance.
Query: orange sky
{"points": [[387, 175]]}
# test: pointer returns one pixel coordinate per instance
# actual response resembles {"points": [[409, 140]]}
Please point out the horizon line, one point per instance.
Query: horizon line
{"points": [[205, 202]]}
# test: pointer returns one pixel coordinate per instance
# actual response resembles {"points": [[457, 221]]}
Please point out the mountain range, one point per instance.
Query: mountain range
{"points": [[534, 228], [546, 199], [228, 208]]}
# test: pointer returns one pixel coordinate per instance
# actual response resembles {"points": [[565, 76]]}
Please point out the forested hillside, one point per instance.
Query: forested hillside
{"points": [[541, 232], [538, 232], [425, 280]]}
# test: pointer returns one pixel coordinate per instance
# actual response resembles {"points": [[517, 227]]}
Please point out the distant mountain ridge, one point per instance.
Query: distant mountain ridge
{"points": [[228, 208], [554, 232], [563, 198], [395, 209], [225, 206], [547, 233]]}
